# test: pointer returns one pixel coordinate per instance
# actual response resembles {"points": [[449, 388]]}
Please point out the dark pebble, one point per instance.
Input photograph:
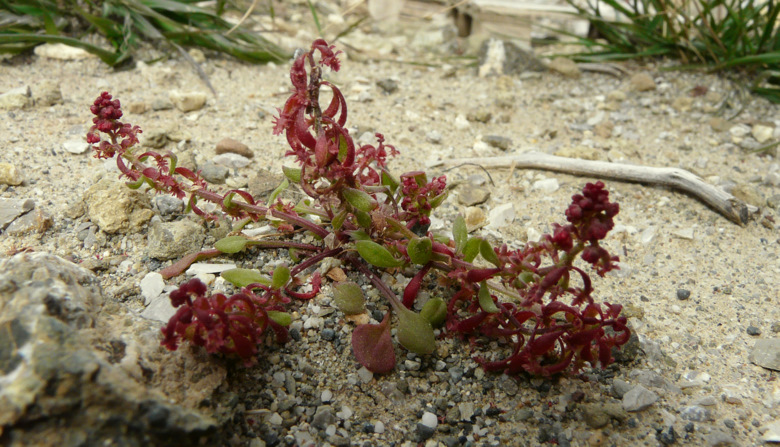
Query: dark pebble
{"points": [[683, 294], [387, 85], [368, 428], [295, 334], [493, 411], [424, 432], [667, 436], [328, 334], [729, 423], [752, 330], [689, 427]]}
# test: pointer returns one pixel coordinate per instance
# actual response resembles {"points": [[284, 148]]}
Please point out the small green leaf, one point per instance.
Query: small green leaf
{"points": [[361, 200], [281, 318], [227, 202], [471, 249], [338, 220], [414, 332], [349, 298], [363, 218], [281, 277], [524, 279], [441, 238], [389, 181], [435, 311], [459, 233], [231, 244], [438, 200], [275, 193], [359, 235], [244, 277], [376, 254], [488, 253], [420, 250], [485, 300], [292, 174]]}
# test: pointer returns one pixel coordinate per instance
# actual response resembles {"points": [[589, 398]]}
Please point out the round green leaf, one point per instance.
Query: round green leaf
{"points": [[435, 311], [231, 244], [420, 250], [281, 318], [349, 297], [244, 277], [359, 199], [281, 277], [376, 254], [414, 332]]}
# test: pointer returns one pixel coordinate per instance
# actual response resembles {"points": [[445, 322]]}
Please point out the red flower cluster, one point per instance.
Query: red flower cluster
{"points": [[107, 114], [420, 197]]}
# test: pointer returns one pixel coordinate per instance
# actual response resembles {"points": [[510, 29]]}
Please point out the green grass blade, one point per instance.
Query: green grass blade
{"points": [[315, 16]]}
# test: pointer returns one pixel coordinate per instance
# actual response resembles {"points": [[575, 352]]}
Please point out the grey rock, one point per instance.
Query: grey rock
{"points": [[214, 173], [10, 209], [697, 413], [51, 374], [718, 438], [168, 206], [36, 221], [434, 136], [507, 384], [498, 141], [598, 415], [639, 398], [472, 196], [766, 353], [17, 98], [170, 240], [497, 56], [10, 175], [47, 93], [114, 207], [161, 104], [264, 182], [683, 294], [388, 86], [155, 137], [620, 388], [651, 379], [231, 160], [159, 309], [466, 410], [76, 146], [152, 285], [323, 417]]}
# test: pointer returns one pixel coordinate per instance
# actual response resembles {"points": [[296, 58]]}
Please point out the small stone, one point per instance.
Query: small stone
{"points": [[461, 122], [328, 334], [433, 136], [719, 124], [753, 331], [170, 240], [639, 398], [205, 268], [718, 438], [47, 93], [197, 55], [429, 420], [666, 436], [379, 427], [620, 388], [115, 208], [604, 129], [599, 415], [388, 86], [546, 186], [226, 145], [748, 193], [326, 396], [323, 417], [762, 133], [35, 221], [466, 411], [161, 104], [159, 309], [480, 115], [152, 286], [62, 52], [682, 103], [17, 98], [424, 432], [365, 375], [696, 413], [616, 96], [475, 218], [168, 206], [642, 82], [566, 67], [685, 233], [10, 209], [766, 353], [76, 146], [214, 173], [501, 215], [585, 153], [138, 107], [9, 175], [683, 294], [345, 413], [231, 160], [472, 196], [498, 141], [771, 432], [188, 101]]}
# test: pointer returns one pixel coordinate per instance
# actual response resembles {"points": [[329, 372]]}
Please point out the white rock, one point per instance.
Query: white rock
{"points": [[330, 430], [205, 267], [17, 98], [461, 122], [466, 410], [638, 398], [547, 186], [275, 419], [429, 420], [646, 236], [365, 375], [501, 215], [326, 396], [739, 130], [188, 101], [532, 234], [152, 286], [379, 427], [495, 58], [762, 133], [685, 233], [62, 52], [231, 160], [771, 432], [345, 413], [160, 309], [76, 146]]}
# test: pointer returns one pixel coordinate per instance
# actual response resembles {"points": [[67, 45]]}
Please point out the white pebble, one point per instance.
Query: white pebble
{"points": [[205, 267], [326, 396], [547, 186], [275, 419], [152, 286], [365, 375], [429, 420], [330, 430], [345, 413], [379, 427]]}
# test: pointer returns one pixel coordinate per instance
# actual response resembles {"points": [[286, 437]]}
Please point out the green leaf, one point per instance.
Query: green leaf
{"points": [[359, 235], [488, 253], [389, 181], [338, 220], [485, 300], [231, 244], [363, 218], [292, 174], [438, 200], [281, 277], [281, 318], [435, 311], [471, 249], [524, 280], [361, 200], [414, 332], [349, 298], [376, 254], [244, 277], [459, 233], [420, 250], [275, 193]]}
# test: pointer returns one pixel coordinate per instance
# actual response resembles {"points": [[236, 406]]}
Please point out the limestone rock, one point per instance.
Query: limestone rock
{"points": [[10, 175], [566, 67], [766, 353], [642, 82], [62, 52], [116, 208], [47, 93], [170, 240], [188, 101], [10, 209], [17, 98]]}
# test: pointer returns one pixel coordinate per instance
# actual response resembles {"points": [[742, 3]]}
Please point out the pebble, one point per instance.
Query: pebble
{"points": [[10, 175], [47, 93], [168, 206], [696, 413], [326, 396], [639, 398], [501, 216], [231, 160], [461, 122], [188, 101], [323, 417], [642, 82], [388, 86], [229, 145], [429, 420], [379, 427], [754, 331], [76, 146], [17, 98], [718, 438], [686, 233], [433, 136], [471, 196], [762, 133], [498, 141], [666, 436], [171, 240], [566, 67], [766, 353], [201, 268], [328, 334], [10, 209], [62, 52], [683, 294], [547, 186], [425, 432], [771, 432], [466, 410], [214, 173], [152, 286], [475, 218], [345, 413], [159, 309]]}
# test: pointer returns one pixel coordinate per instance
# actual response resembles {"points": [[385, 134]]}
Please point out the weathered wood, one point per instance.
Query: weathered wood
{"points": [[732, 208]]}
